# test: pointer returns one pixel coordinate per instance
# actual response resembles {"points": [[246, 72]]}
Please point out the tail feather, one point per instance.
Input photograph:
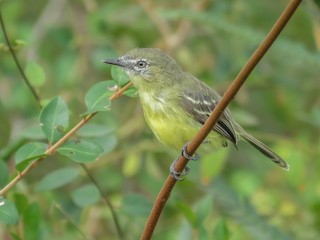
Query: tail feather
{"points": [[265, 150]]}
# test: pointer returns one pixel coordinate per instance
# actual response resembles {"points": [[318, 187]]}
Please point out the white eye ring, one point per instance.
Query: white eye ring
{"points": [[142, 64]]}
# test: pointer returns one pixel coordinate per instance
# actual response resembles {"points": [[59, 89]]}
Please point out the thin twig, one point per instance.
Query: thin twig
{"points": [[106, 200], [164, 193], [54, 147], [71, 221], [35, 95]]}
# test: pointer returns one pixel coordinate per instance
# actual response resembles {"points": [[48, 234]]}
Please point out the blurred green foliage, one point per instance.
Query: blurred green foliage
{"points": [[237, 195]]}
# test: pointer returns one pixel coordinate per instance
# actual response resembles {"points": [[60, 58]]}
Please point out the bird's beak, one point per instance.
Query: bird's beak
{"points": [[114, 61]]}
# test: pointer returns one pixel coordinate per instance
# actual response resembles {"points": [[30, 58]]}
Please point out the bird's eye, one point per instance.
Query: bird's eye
{"points": [[142, 64]]}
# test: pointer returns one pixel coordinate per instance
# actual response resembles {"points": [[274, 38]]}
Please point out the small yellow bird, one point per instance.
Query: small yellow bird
{"points": [[177, 104]]}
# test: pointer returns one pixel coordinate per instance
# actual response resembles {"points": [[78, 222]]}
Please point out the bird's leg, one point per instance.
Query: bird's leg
{"points": [[177, 175], [187, 156]]}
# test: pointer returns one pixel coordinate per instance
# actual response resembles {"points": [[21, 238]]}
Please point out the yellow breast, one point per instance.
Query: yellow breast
{"points": [[171, 125]]}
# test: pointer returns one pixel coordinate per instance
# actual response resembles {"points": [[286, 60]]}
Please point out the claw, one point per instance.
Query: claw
{"points": [[187, 156], [177, 175]]}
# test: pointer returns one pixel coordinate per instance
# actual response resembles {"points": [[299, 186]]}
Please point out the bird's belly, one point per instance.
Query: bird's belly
{"points": [[176, 129], [172, 132]]}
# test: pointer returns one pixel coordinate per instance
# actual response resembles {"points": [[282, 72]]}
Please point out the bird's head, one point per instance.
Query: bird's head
{"points": [[148, 68]]}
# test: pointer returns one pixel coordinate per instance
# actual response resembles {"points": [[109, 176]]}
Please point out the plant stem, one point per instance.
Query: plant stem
{"points": [[51, 150]]}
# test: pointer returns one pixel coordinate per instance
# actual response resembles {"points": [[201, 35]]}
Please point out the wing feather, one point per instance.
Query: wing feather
{"points": [[199, 105]]}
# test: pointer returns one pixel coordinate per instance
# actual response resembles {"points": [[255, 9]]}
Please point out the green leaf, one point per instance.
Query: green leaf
{"points": [[80, 151], [3, 47], [35, 74], [21, 201], [5, 129], [121, 79], [97, 98], [34, 133], [221, 231], [94, 130], [31, 222], [4, 174], [119, 76], [18, 44], [212, 164], [107, 142], [136, 205], [57, 179], [14, 236], [8, 212], [131, 165], [187, 212], [131, 92], [203, 208], [245, 182], [29, 152], [203, 234], [85, 195], [54, 119]]}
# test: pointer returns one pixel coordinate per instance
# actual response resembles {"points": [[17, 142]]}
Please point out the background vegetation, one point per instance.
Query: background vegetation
{"points": [[228, 194]]}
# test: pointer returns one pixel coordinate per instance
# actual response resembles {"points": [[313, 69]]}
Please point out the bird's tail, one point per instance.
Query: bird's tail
{"points": [[265, 150]]}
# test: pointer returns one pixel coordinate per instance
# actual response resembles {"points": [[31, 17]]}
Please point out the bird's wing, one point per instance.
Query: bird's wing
{"points": [[199, 103]]}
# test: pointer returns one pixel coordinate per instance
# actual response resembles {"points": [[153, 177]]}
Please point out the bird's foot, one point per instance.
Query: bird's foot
{"points": [[187, 156], [179, 175], [175, 174]]}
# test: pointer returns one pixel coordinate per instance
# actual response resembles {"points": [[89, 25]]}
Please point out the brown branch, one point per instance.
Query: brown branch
{"points": [[51, 150], [207, 127]]}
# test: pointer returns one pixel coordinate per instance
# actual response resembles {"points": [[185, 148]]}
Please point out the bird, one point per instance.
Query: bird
{"points": [[176, 104]]}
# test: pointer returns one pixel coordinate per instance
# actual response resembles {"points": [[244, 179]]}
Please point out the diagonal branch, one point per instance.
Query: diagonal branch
{"points": [[51, 150], [207, 127]]}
